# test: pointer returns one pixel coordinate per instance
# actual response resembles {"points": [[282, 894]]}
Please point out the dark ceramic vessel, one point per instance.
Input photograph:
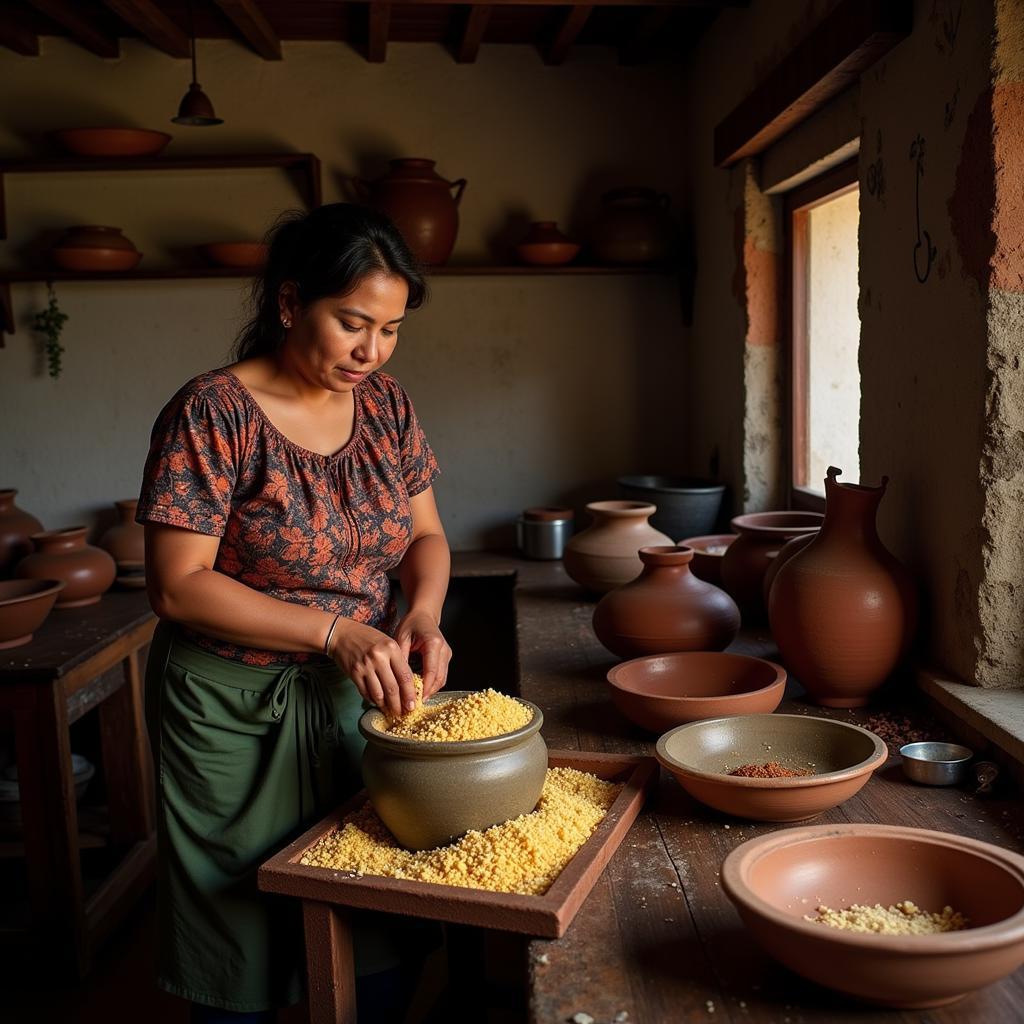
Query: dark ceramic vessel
{"points": [[687, 505], [16, 529], [633, 227]]}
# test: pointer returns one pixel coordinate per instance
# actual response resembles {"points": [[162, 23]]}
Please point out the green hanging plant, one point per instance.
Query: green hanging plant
{"points": [[49, 323]]}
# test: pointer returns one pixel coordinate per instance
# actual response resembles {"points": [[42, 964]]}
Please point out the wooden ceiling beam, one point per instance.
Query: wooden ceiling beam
{"points": [[69, 16], [568, 32], [252, 25], [16, 36], [473, 29], [638, 47], [153, 25], [380, 25]]}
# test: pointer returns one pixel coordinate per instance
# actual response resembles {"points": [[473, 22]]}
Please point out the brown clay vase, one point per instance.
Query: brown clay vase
{"points": [[633, 227], [843, 610], [126, 540], [786, 552], [421, 205], [606, 554], [16, 529], [745, 562], [86, 571], [666, 609]]}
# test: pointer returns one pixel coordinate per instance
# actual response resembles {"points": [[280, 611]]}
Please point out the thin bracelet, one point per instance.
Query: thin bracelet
{"points": [[330, 633]]}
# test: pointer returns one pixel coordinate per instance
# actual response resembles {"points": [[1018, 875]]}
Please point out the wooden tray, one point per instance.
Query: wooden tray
{"points": [[546, 916]]}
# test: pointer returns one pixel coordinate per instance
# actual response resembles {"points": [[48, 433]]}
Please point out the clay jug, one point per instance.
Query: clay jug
{"points": [[86, 571], [843, 610], [421, 205], [16, 529], [745, 562], [633, 227], [786, 552], [666, 609], [606, 554], [126, 540]]}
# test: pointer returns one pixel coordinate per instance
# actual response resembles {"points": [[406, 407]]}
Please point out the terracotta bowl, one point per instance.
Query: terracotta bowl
{"points": [[707, 555], [24, 604], [95, 259], [775, 880], [549, 254], [701, 755], [245, 255], [112, 141], [666, 690]]}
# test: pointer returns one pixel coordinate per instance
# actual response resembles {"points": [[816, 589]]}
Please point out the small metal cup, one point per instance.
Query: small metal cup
{"points": [[935, 764], [543, 538]]}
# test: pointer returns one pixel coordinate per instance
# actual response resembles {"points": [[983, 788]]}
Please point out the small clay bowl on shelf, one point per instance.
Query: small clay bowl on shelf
{"points": [[778, 880], [24, 604], [665, 690], [707, 555], [936, 764], [547, 254], [95, 259], [243, 255], [838, 757], [112, 142]]}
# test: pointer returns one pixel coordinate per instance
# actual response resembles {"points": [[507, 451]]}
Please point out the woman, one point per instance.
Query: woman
{"points": [[277, 494]]}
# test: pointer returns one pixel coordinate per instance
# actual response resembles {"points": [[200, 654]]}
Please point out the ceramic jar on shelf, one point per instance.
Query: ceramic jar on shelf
{"points": [[842, 609], [606, 554], [545, 245], [86, 571], [666, 609], [16, 529], [633, 227], [125, 541], [92, 247]]}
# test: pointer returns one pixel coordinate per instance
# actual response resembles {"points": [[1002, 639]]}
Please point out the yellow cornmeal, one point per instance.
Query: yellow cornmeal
{"points": [[524, 855], [476, 716], [904, 918]]}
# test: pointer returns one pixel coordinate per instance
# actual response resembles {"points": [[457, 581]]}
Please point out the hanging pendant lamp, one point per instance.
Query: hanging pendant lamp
{"points": [[195, 107]]}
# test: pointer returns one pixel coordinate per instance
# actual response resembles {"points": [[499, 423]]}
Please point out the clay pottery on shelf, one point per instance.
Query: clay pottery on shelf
{"points": [[606, 554], [665, 609], [708, 552], [633, 227], [86, 571], [843, 610], [545, 245], [745, 562], [24, 604], [429, 794], [125, 542], [421, 205], [112, 141], [16, 529], [779, 879], [92, 247], [686, 505], [243, 255]]}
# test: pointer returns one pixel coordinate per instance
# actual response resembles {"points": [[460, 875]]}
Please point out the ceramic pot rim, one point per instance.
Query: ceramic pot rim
{"points": [[661, 555], [622, 509], [8, 492], [615, 670], [44, 589], [701, 485], [874, 760], [750, 523], [424, 748], [738, 863], [66, 532], [708, 539]]}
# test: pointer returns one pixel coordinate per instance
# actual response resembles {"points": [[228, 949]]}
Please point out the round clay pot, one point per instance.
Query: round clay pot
{"points": [[708, 552], [545, 245], [606, 554], [429, 794], [761, 537], [420, 204], [666, 609], [633, 227], [91, 247], [243, 255], [686, 505], [91, 236], [786, 552], [24, 604], [843, 609], [16, 529], [125, 542], [87, 571], [112, 141]]}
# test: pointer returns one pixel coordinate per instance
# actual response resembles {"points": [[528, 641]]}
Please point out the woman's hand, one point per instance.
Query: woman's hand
{"points": [[419, 632], [377, 665]]}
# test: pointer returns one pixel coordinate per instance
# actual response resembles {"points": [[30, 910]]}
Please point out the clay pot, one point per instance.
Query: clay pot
{"points": [[666, 609], [786, 552], [545, 245], [125, 542], [606, 554], [90, 247], [87, 571], [843, 609], [633, 227], [24, 604], [112, 141], [242, 255], [761, 537], [708, 552], [16, 529], [429, 794], [420, 204]]}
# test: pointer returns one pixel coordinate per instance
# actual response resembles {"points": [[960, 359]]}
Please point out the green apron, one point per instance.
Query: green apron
{"points": [[247, 759]]}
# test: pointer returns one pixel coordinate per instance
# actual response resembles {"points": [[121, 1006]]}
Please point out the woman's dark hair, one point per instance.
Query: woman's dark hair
{"points": [[327, 251]]}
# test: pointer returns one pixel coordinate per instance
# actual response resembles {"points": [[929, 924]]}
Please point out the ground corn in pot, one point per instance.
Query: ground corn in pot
{"points": [[524, 855], [476, 716], [904, 918]]}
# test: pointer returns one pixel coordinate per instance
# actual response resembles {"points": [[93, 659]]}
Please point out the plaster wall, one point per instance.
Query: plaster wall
{"points": [[533, 390]]}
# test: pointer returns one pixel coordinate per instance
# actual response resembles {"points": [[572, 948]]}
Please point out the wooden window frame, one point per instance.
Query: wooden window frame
{"points": [[798, 204]]}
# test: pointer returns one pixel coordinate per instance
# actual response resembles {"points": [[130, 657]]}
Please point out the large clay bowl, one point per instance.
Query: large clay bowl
{"points": [[547, 254], [244, 255], [775, 880], [666, 690], [701, 755], [112, 141], [429, 794], [708, 552], [24, 604], [95, 259]]}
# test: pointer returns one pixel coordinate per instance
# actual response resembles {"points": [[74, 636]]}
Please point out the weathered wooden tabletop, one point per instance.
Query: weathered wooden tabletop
{"points": [[657, 937]]}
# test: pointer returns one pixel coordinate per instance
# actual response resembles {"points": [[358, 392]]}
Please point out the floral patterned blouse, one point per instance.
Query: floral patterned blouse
{"points": [[319, 530]]}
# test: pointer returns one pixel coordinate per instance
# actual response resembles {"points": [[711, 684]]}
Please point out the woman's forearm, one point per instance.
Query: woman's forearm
{"points": [[424, 574]]}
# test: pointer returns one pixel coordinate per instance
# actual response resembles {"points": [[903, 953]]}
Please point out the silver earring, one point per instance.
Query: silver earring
{"points": [[286, 323]]}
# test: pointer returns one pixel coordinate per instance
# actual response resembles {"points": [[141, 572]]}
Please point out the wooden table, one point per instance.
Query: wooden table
{"points": [[81, 659]]}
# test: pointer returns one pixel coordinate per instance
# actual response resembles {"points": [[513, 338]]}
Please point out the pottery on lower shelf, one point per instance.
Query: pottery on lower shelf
{"points": [[24, 605], [16, 529], [633, 226], [112, 142], [125, 541], [545, 245], [665, 609], [243, 255], [86, 571], [93, 247]]}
